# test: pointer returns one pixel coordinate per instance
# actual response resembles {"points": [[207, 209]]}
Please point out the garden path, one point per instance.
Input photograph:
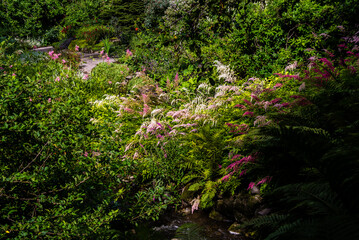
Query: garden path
{"points": [[88, 60]]}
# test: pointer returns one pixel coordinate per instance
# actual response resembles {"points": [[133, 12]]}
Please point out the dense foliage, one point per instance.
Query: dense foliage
{"points": [[208, 99]]}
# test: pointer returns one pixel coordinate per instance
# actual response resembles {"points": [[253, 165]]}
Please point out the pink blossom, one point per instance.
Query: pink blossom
{"points": [[329, 53], [77, 48], [102, 52], [49, 100], [226, 177], [246, 101], [248, 114], [109, 82], [30, 100], [242, 173], [212, 106], [236, 156], [342, 46], [301, 87], [278, 85], [251, 185], [176, 80], [264, 180], [128, 110], [86, 154], [57, 79], [255, 97], [159, 124], [287, 76], [13, 74], [327, 62], [274, 101], [128, 53], [85, 77], [285, 104], [240, 106], [63, 61], [10, 66]]}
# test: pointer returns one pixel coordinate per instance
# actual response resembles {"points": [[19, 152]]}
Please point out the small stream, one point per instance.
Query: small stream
{"points": [[198, 223]]}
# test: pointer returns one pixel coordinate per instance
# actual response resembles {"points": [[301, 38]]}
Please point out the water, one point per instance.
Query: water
{"points": [[200, 227]]}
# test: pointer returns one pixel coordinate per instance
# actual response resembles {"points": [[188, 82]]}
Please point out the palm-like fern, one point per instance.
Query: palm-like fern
{"points": [[313, 156], [190, 231]]}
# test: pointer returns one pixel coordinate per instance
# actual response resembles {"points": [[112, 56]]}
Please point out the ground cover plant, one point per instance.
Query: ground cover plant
{"points": [[208, 102]]}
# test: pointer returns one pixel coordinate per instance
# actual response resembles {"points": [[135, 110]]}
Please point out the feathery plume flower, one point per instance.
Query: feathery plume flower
{"points": [[251, 185], [225, 72], [248, 114], [246, 101], [291, 67], [301, 87]]}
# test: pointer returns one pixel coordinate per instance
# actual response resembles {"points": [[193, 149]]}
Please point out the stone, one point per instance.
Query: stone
{"points": [[255, 190], [44, 49], [216, 216], [186, 194], [65, 44], [186, 211], [264, 212], [235, 229]]}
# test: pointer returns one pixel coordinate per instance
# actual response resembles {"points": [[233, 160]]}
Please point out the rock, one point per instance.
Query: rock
{"points": [[264, 212], [65, 44], [185, 211], [255, 190], [187, 195], [235, 229], [129, 77], [216, 216], [44, 49]]}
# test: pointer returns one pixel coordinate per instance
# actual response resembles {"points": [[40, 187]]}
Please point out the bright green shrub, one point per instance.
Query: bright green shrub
{"points": [[29, 18], [94, 33], [57, 179], [123, 14], [110, 78], [82, 11]]}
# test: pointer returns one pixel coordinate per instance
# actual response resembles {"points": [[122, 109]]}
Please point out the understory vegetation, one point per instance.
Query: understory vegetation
{"points": [[207, 100]]}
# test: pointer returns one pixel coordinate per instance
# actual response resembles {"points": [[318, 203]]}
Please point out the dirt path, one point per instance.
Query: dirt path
{"points": [[89, 62]]}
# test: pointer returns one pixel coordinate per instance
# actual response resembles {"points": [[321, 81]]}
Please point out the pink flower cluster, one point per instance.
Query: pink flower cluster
{"points": [[238, 129], [235, 166], [128, 53], [53, 55]]}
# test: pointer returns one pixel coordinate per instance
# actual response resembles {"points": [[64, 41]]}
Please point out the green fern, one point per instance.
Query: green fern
{"points": [[189, 231]]}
